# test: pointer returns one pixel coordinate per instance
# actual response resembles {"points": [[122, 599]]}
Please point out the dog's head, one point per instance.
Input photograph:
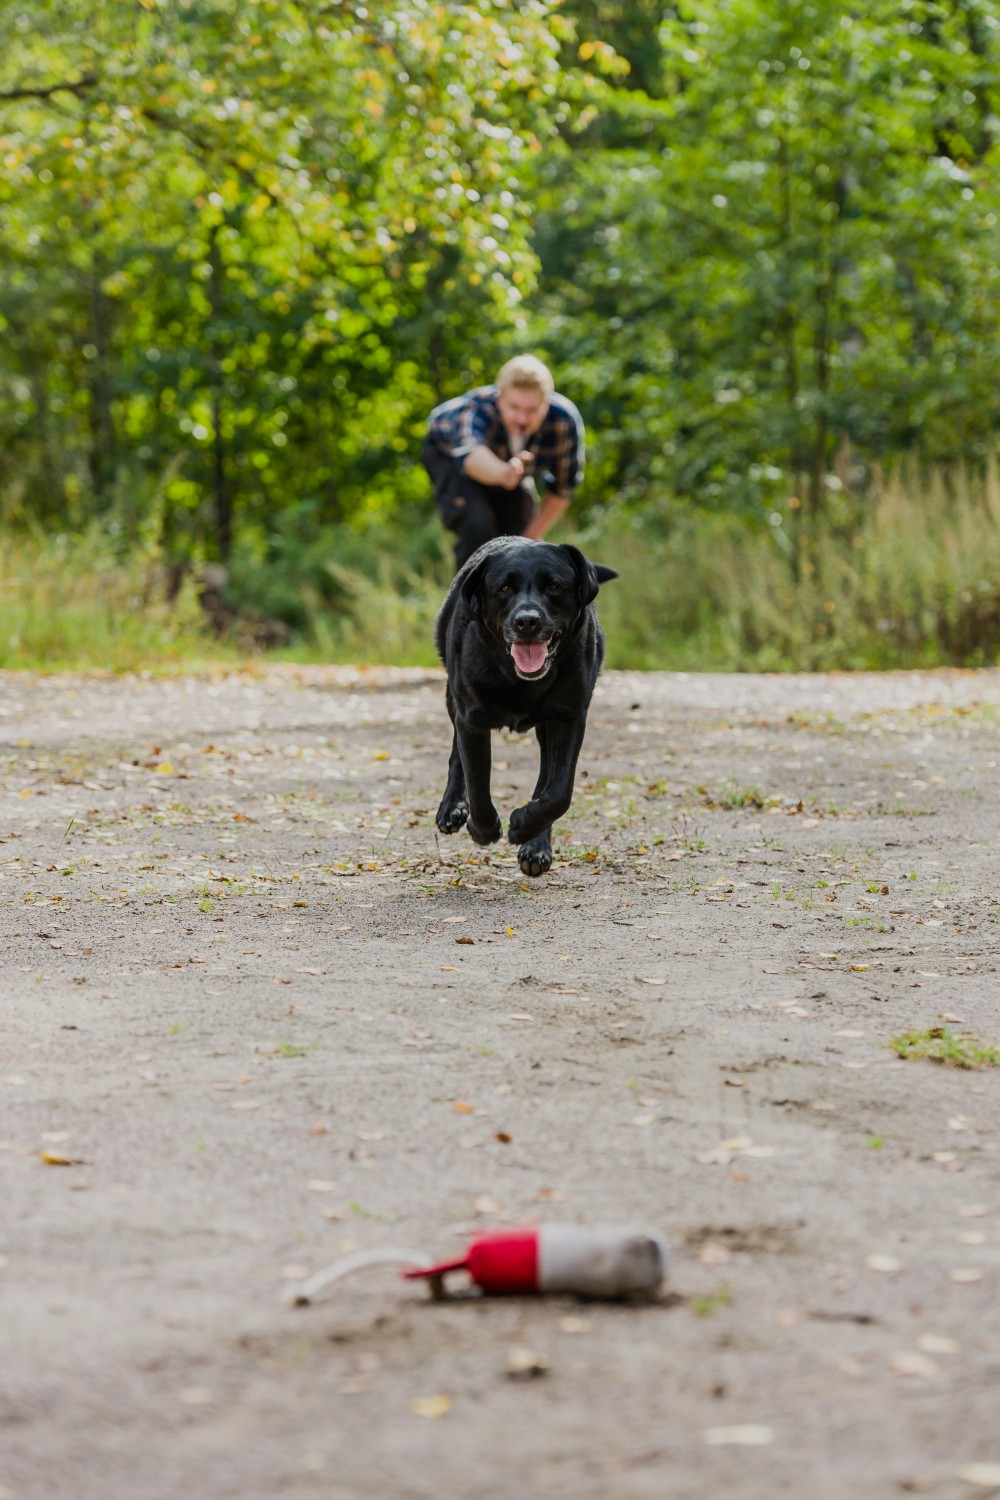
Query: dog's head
{"points": [[530, 596]]}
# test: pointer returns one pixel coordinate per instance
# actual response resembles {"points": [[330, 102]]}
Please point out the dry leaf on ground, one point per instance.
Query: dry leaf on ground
{"points": [[746, 1436], [431, 1406]]}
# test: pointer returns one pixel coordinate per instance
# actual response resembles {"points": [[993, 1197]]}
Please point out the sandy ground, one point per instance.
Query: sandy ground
{"points": [[240, 995]]}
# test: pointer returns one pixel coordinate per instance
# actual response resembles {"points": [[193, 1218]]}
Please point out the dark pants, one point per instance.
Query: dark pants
{"points": [[474, 512]]}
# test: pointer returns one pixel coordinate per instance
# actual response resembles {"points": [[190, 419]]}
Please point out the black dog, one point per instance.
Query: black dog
{"points": [[522, 646]]}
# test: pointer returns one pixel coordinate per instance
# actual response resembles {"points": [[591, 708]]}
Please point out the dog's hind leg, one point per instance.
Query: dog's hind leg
{"points": [[453, 813]]}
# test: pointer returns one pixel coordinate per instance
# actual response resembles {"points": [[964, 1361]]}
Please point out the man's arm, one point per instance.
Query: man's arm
{"points": [[546, 516], [483, 464]]}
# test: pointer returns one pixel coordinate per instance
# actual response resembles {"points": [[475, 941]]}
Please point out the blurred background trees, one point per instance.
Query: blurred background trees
{"points": [[246, 244]]}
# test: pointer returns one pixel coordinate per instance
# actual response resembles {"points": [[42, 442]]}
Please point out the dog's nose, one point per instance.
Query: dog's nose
{"points": [[527, 622]]}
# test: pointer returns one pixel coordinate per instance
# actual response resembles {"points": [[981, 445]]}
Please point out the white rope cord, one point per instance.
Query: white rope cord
{"points": [[302, 1293]]}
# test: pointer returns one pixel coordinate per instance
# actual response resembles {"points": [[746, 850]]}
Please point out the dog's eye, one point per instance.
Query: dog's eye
{"points": [[504, 588]]}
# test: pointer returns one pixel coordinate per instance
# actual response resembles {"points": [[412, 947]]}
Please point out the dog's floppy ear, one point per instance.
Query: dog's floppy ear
{"points": [[589, 576], [469, 592]]}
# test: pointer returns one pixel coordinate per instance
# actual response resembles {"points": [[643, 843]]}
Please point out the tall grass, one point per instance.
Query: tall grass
{"points": [[69, 603], [911, 579], [908, 578]]}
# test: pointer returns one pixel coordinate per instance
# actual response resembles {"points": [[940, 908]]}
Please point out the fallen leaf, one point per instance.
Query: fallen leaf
{"points": [[60, 1159], [986, 1476], [461, 1108], [920, 1365], [934, 1343], [484, 1204], [966, 1274], [455, 919], [747, 1436], [468, 940], [502, 1137], [888, 1264], [431, 1406], [517, 1015], [643, 1120], [739, 1145], [640, 979], [523, 1363]]}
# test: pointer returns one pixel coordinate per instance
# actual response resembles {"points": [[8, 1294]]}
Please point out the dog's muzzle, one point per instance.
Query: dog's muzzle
{"points": [[532, 659]]}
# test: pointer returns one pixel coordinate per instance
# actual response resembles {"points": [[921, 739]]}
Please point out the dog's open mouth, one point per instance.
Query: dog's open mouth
{"points": [[531, 658]]}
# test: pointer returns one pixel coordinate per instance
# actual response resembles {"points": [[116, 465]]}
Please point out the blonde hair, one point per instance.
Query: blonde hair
{"points": [[528, 373]]}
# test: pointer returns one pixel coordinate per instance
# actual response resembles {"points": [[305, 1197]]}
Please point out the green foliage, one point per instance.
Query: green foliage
{"points": [[72, 602], [784, 265], [245, 247], [912, 582], [938, 1044], [243, 250], [916, 583]]}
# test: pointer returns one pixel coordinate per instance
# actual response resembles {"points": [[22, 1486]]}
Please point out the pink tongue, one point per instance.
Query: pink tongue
{"points": [[529, 658]]}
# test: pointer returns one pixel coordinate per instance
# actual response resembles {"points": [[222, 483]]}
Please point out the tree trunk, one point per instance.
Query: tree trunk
{"points": [[102, 457], [222, 492]]}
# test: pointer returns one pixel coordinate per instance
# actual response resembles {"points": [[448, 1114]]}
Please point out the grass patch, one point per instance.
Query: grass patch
{"points": [[711, 1303], [906, 576], [938, 1044]]}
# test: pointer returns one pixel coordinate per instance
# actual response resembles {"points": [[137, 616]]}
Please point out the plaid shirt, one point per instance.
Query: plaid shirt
{"points": [[474, 420]]}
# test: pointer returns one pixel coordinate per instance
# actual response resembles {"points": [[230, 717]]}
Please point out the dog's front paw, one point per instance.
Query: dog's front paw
{"points": [[487, 835], [535, 858], [525, 824], [451, 816]]}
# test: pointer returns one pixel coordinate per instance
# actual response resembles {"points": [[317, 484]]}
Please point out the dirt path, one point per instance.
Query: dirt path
{"points": [[273, 1021]]}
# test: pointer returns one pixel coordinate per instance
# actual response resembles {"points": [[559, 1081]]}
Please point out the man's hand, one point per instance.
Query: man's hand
{"points": [[517, 468], [508, 473]]}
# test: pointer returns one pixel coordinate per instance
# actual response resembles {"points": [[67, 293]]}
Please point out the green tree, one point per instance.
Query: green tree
{"points": [[243, 247], [789, 254]]}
